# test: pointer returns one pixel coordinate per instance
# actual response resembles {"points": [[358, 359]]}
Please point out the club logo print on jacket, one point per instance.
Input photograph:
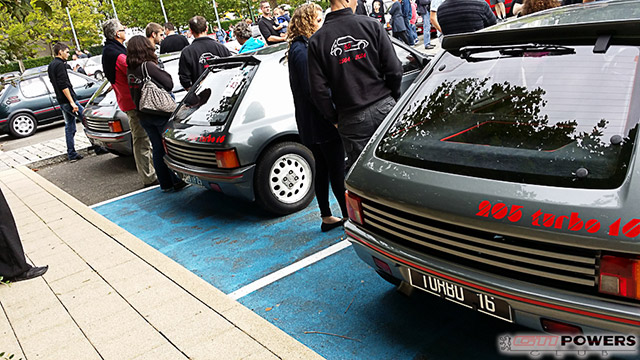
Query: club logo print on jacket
{"points": [[205, 57], [345, 44]]}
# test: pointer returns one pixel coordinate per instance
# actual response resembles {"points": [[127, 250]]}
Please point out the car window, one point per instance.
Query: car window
{"points": [[540, 118], [104, 96], [409, 62], [210, 102], [77, 81], [33, 87]]}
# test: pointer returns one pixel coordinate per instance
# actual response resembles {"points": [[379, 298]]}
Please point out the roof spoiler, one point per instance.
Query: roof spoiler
{"points": [[237, 59], [621, 32]]}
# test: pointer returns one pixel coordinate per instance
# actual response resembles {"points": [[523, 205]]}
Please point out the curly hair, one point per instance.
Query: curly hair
{"points": [[303, 22], [242, 30], [139, 50], [532, 6]]}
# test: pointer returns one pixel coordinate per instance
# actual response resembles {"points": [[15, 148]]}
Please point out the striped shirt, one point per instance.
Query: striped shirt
{"points": [[462, 16]]}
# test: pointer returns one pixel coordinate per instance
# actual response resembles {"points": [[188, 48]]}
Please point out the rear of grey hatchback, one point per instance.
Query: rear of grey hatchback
{"points": [[506, 180]]}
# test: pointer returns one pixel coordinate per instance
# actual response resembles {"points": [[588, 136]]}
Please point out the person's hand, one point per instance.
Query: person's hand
{"points": [[74, 108]]}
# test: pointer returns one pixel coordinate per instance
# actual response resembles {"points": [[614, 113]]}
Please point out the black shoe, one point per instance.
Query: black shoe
{"points": [[326, 227], [429, 47], [34, 272], [100, 150], [181, 185], [76, 158]]}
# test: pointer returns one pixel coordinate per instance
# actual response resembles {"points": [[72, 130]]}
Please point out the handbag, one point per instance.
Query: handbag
{"points": [[154, 99]]}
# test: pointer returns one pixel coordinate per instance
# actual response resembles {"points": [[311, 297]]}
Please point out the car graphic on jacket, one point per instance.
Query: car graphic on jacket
{"points": [[346, 44]]}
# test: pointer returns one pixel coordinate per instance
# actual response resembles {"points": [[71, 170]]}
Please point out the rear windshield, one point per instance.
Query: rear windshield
{"points": [[534, 117], [211, 101]]}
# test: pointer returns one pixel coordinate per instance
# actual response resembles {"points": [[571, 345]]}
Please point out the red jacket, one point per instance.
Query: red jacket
{"points": [[121, 86]]}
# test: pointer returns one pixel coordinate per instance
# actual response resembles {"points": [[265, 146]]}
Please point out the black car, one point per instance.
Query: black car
{"points": [[30, 101]]}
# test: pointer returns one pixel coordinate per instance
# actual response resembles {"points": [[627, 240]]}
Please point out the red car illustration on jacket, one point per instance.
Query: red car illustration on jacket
{"points": [[347, 43]]}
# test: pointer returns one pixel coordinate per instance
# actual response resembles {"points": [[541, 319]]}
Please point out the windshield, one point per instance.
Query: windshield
{"points": [[211, 101], [104, 96], [537, 117]]}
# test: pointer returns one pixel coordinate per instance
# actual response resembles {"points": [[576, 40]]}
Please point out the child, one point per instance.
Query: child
{"points": [[281, 19]]}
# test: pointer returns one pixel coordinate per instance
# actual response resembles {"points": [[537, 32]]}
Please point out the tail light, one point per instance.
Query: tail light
{"points": [[620, 276], [115, 126], [227, 159], [354, 207]]}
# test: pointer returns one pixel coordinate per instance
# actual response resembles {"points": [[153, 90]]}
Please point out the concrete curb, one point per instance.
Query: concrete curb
{"points": [[265, 333]]}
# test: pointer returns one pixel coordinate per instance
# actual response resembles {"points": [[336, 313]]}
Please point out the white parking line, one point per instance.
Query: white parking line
{"points": [[124, 196], [275, 276]]}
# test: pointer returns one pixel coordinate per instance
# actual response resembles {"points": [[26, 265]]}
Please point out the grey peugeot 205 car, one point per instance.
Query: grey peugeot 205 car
{"points": [[506, 179], [106, 125], [235, 131]]}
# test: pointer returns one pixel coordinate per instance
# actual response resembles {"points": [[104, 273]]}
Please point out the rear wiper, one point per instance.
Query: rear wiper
{"points": [[467, 52]]}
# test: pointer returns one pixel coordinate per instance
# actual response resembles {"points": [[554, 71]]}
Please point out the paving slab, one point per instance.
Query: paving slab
{"points": [[108, 295]]}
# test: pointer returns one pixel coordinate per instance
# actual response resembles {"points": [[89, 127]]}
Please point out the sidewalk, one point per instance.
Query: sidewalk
{"points": [[49, 150], [108, 295]]}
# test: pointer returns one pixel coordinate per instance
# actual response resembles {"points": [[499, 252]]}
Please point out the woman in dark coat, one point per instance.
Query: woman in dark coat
{"points": [[397, 23], [316, 133], [141, 52]]}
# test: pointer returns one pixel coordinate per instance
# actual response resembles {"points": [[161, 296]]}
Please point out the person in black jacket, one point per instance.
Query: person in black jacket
{"points": [[316, 132], [398, 25], [193, 59], [354, 74], [71, 108], [13, 264], [172, 41], [377, 11], [142, 62]]}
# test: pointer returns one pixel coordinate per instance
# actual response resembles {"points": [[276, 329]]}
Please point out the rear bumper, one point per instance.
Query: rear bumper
{"points": [[529, 302], [233, 182], [120, 142]]}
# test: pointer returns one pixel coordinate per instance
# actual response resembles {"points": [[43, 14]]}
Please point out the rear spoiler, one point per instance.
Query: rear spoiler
{"points": [[237, 59]]}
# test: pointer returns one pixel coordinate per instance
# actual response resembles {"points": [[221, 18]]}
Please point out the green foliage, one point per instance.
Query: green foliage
{"points": [[23, 38], [6, 356], [28, 63]]}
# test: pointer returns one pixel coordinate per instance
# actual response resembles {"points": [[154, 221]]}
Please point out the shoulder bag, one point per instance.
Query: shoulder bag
{"points": [[154, 99]]}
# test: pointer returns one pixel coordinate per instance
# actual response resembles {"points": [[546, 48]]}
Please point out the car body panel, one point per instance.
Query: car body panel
{"points": [[433, 220]]}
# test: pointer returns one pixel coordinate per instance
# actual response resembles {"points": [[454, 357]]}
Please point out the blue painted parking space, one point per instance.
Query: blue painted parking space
{"points": [[337, 306]]}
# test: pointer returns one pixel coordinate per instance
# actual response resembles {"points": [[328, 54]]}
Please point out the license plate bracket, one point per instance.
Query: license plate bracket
{"points": [[461, 295]]}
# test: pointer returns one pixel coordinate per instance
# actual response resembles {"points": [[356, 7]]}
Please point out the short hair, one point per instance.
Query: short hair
{"points": [[139, 50], [264, 2], [58, 47], [169, 26], [198, 24], [110, 28], [152, 28], [243, 30]]}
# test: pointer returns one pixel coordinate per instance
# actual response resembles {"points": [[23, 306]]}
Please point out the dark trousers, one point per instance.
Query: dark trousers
{"points": [[357, 128], [154, 127], [12, 260], [329, 158]]}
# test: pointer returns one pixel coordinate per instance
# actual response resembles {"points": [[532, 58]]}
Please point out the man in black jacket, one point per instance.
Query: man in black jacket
{"points": [[354, 74], [71, 108], [193, 59], [172, 42]]}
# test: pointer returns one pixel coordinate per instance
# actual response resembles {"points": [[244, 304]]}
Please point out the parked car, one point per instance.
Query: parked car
{"points": [[106, 125], [92, 66], [8, 76], [30, 101], [506, 178], [235, 131]]}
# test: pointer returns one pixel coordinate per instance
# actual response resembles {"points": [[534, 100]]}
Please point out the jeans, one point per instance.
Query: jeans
{"points": [[411, 31], [426, 29], [70, 127], [357, 128], [154, 127]]}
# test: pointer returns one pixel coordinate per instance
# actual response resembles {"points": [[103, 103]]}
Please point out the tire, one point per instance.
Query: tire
{"points": [[283, 182], [98, 75], [22, 125]]}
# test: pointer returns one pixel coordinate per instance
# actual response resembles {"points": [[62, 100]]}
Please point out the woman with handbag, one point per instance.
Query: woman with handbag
{"points": [[150, 89]]}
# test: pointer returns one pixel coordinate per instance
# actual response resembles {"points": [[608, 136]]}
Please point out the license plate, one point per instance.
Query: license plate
{"points": [[193, 180], [461, 295]]}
